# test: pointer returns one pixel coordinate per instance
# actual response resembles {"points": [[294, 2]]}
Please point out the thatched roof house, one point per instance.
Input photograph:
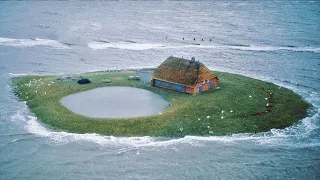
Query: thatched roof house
{"points": [[184, 75]]}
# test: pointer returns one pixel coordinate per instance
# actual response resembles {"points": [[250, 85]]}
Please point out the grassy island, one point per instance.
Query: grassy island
{"points": [[240, 105]]}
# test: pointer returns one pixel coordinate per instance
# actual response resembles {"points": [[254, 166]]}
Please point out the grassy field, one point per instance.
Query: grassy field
{"points": [[238, 106]]}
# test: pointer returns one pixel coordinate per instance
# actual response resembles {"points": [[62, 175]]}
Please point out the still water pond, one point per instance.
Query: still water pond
{"points": [[115, 102]]}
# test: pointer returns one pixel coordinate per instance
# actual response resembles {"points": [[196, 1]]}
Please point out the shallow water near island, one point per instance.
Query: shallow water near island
{"points": [[276, 41], [115, 102]]}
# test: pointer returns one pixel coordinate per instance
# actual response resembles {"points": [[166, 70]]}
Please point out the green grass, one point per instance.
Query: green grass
{"points": [[187, 114]]}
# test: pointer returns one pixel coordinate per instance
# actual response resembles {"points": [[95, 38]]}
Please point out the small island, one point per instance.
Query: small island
{"points": [[239, 105]]}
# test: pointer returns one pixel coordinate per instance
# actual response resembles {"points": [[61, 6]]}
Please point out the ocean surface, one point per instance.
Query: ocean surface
{"points": [[275, 41]]}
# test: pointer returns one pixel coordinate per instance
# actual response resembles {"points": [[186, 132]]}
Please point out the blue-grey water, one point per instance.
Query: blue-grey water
{"points": [[276, 41]]}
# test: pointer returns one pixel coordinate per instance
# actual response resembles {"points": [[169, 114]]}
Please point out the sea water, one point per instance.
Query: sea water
{"points": [[276, 41]]}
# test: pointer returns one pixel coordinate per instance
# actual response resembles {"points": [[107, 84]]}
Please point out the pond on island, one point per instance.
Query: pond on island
{"points": [[115, 102]]}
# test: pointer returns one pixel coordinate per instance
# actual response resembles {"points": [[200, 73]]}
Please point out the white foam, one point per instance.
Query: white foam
{"points": [[60, 138], [257, 48], [139, 46], [147, 46], [34, 127], [273, 137], [123, 45], [275, 48], [31, 42], [17, 74]]}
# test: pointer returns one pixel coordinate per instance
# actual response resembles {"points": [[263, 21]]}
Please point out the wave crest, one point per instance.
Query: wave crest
{"points": [[123, 45], [31, 42], [273, 137], [128, 45]]}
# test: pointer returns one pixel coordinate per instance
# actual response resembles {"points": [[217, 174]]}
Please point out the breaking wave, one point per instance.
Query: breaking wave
{"points": [[123, 45], [98, 45], [283, 137], [14, 74], [275, 48], [31, 42], [31, 125], [302, 134]]}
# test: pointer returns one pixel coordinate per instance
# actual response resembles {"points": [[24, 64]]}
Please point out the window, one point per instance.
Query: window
{"points": [[200, 89], [211, 86], [178, 87]]}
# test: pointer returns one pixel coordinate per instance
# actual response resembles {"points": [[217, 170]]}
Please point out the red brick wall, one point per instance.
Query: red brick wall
{"points": [[196, 87], [206, 86], [215, 82], [189, 90]]}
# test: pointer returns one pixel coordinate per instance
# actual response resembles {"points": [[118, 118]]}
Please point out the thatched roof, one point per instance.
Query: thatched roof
{"points": [[182, 71]]}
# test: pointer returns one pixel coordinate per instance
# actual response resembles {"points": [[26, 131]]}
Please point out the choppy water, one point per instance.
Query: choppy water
{"points": [[277, 41]]}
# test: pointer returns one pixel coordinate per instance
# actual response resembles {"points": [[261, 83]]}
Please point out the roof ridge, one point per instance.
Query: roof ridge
{"points": [[188, 60]]}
